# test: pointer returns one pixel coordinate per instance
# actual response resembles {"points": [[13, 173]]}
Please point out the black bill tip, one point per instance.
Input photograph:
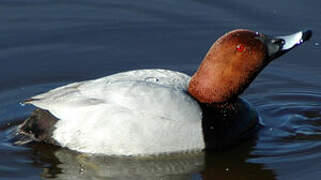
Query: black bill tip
{"points": [[306, 35]]}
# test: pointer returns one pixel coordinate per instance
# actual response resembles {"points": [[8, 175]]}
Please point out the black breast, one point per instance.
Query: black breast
{"points": [[228, 124]]}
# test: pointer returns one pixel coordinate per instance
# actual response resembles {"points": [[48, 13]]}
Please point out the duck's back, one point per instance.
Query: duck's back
{"points": [[135, 112]]}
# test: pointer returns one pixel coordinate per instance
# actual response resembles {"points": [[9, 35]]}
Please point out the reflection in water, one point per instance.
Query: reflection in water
{"points": [[59, 163], [233, 165], [66, 164]]}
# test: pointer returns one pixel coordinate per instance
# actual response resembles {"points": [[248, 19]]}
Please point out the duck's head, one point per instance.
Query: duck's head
{"points": [[234, 61]]}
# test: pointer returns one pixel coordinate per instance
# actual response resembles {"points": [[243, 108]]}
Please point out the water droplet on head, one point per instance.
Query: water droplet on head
{"points": [[257, 33]]}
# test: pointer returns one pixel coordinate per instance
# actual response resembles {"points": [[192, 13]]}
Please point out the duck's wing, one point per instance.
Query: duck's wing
{"points": [[133, 108], [107, 89], [162, 77]]}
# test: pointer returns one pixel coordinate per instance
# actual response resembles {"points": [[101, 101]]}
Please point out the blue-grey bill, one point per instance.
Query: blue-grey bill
{"points": [[290, 41]]}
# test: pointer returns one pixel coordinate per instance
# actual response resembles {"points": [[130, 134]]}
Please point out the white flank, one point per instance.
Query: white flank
{"points": [[139, 112]]}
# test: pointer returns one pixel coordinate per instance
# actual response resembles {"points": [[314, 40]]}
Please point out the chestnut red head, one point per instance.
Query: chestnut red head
{"points": [[234, 60]]}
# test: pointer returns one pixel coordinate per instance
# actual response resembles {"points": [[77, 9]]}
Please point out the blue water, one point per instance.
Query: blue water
{"points": [[45, 44]]}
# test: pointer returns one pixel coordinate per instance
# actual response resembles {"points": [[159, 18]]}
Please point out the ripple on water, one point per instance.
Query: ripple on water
{"points": [[291, 134]]}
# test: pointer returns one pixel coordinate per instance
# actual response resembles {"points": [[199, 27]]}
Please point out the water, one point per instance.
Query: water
{"points": [[45, 44]]}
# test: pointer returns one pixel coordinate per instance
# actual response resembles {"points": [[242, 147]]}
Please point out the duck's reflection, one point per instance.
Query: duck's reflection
{"points": [[64, 164], [233, 165]]}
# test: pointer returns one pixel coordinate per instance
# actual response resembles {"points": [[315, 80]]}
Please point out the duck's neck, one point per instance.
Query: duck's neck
{"points": [[219, 81], [212, 83]]}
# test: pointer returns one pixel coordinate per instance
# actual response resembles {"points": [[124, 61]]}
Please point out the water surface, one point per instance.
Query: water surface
{"points": [[45, 44]]}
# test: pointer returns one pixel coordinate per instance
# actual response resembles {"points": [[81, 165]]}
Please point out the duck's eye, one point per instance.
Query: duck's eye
{"points": [[240, 48]]}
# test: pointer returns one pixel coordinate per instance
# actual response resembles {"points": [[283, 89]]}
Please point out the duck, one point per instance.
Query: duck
{"points": [[159, 111]]}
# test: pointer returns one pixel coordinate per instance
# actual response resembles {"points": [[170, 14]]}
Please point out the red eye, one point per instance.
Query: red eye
{"points": [[240, 48]]}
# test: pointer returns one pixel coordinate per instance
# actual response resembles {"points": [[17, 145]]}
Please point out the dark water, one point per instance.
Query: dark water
{"points": [[45, 44]]}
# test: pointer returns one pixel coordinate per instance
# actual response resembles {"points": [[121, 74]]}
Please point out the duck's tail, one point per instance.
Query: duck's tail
{"points": [[37, 128]]}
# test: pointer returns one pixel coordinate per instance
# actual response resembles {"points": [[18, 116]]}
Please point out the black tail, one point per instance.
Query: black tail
{"points": [[38, 127]]}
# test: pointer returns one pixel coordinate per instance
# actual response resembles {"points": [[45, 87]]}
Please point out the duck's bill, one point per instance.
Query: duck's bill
{"points": [[290, 41], [279, 45]]}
